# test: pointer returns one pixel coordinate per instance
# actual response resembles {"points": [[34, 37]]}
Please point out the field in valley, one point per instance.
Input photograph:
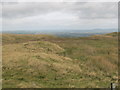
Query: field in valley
{"points": [[44, 61]]}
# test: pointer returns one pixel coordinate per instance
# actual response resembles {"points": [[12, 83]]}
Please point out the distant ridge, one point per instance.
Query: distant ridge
{"points": [[65, 33]]}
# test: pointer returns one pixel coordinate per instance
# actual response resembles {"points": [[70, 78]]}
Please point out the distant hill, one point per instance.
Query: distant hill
{"points": [[114, 34], [65, 33], [45, 61]]}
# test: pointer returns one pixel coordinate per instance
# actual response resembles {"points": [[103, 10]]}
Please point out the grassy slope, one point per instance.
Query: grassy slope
{"points": [[34, 61]]}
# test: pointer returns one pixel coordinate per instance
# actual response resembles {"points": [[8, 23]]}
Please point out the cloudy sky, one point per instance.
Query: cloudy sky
{"points": [[59, 15]]}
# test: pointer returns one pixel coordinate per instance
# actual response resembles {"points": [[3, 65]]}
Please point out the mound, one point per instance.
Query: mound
{"points": [[43, 46]]}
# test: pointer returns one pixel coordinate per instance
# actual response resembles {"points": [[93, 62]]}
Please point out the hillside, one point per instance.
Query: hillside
{"points": [[42, 61]]}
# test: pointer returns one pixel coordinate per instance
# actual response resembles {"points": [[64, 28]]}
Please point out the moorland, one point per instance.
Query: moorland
{"points": [[46, 61]]}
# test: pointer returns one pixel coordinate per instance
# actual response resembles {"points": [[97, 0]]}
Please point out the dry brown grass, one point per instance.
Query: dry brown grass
{"points": [[37, 61]]}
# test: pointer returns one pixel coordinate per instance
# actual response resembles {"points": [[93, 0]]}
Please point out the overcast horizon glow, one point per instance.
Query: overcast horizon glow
{"points": [[60, 15]]}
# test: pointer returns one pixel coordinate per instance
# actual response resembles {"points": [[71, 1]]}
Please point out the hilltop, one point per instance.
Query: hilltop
{"points": [[42, 61]]}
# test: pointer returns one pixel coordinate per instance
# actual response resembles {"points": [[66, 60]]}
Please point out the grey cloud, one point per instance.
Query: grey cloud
{"points": [[80, 9], [28, 9], [95, 10]]}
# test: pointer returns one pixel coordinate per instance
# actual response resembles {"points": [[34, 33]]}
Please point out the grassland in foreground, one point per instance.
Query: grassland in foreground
{"points": [[42, 61]]}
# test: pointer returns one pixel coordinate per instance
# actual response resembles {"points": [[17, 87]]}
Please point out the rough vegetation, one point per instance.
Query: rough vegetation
{"points": [[42, 61]]}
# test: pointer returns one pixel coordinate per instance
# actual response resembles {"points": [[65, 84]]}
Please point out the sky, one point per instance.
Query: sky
{"points": [[59, 15]]}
